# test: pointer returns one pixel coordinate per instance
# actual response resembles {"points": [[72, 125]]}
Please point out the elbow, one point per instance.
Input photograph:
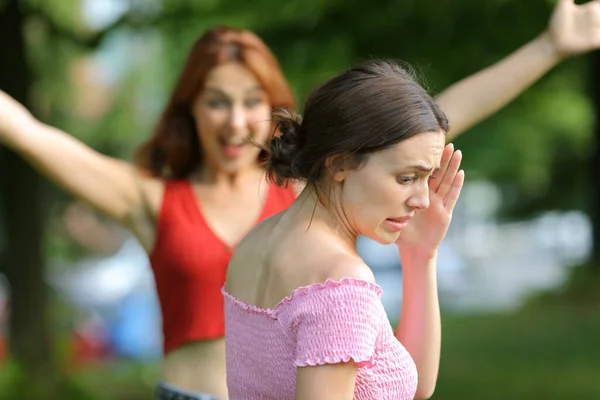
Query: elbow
{"points": [[427, 380], [425, 391], [424, 395]]}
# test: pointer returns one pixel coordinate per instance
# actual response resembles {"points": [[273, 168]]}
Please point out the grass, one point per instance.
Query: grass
{"points": [[542, 353], [548, 350]]}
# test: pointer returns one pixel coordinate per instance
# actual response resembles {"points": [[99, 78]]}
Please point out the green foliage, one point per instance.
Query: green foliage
{"points": [[532, 148]]}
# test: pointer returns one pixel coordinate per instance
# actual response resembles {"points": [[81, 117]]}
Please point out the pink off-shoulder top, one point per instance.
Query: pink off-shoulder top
{"points": [[324, 323]]}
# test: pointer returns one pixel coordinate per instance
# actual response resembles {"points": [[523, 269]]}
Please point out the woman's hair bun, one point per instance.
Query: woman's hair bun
{"points": [[283, 148]]}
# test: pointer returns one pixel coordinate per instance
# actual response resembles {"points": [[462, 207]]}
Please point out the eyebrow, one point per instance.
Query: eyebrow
{"points": [[222, 93], [422, 168]]}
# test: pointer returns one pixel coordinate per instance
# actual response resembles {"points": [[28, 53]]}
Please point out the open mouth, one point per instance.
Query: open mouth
{"points": [[400, 219], [398, 224], [232, 149]]}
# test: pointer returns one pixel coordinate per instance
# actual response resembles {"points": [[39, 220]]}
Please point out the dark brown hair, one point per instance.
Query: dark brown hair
{"points": [[365, 109], [174, 150]]}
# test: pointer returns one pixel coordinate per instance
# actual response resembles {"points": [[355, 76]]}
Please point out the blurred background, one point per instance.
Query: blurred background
{"points": [[519, 286]]}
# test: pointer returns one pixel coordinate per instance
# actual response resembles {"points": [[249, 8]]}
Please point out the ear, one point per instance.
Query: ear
{"points": [[336, 166]]}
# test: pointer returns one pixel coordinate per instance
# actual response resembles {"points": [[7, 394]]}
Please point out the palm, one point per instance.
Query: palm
{"points": [[428, 228], [575, 28]]}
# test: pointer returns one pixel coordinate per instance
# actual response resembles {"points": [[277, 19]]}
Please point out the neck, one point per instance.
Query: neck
{"points": [[308, 209], [217, 176]]}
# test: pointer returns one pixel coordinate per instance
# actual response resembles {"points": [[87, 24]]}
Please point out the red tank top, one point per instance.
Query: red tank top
{"points": [[189, 263]]}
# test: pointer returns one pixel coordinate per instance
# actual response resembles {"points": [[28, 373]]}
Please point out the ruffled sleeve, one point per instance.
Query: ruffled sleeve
{"points": [[338, 322]]}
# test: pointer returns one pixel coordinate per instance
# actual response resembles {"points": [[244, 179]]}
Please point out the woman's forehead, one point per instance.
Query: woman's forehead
{"points": [[231, 78], [421, 151]]}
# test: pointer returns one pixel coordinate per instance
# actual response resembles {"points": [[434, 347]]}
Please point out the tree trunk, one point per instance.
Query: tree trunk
{"points": [[595, 205], [30, 343]]}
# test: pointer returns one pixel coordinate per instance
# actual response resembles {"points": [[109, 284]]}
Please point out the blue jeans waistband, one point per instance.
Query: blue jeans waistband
{"points": [[164, 391]]}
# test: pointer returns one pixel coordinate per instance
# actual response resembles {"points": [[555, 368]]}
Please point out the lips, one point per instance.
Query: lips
{"points": [[400, 219], [232, 149], [397, 224]]}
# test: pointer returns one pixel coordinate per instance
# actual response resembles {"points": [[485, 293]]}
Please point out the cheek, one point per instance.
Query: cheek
{"points": [[210, 121], [259, 120], [378, 191], [371, 198]]}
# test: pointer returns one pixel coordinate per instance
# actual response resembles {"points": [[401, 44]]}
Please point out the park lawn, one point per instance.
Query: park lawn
{"points": [[545, 353]]}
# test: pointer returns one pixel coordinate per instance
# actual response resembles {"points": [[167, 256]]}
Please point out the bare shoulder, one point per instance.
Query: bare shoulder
{"points": [[255, 245], [298, 187], [318, 259], [348, 266], [307, 256]]}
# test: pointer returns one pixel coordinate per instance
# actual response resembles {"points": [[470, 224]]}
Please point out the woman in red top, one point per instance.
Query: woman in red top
{"points": [[197, 188]]}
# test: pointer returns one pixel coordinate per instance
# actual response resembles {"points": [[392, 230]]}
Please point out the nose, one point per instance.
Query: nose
{"points": [[238, 120], [419, 200]]}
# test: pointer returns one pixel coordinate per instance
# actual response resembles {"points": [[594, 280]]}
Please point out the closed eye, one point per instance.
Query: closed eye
{"points": [[405, 180]]}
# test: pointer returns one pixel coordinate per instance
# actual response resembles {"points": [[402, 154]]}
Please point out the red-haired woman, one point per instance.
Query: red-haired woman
{"points": [[197, 188]]}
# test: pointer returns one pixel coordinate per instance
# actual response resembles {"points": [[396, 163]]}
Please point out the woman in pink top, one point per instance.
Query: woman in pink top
{"points": [[303, 315]]}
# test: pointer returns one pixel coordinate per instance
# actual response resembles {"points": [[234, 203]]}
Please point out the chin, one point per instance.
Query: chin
{"points": [[233, 166], [385, 238]]}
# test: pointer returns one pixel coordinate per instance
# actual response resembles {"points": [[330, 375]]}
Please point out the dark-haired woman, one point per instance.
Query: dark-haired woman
{"points": [[303, 314]]}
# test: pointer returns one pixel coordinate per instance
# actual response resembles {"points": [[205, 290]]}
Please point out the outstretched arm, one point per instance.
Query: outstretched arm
{"points": [[105, 183], [573, 29]]}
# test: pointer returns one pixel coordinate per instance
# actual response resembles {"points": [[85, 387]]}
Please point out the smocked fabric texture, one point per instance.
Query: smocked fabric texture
{"points": [[325, 323]]}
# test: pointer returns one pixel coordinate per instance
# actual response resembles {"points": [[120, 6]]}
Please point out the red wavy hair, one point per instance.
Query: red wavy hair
{"points": [[174, 149]]}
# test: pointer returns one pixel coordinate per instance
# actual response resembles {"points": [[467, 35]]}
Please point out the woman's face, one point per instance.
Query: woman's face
{"points": [[232, 108], [378, 199]]}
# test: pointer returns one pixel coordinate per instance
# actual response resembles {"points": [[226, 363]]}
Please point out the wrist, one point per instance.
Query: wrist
{"points": [[417, 256], [546, 44]]}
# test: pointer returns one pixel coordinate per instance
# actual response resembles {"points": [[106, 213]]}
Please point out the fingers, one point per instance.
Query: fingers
{"points": [[439, 174], [594, 12], [454, 193], [561, 5], [448, 178]]}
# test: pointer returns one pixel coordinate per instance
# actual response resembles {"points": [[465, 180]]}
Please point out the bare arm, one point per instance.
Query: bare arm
{"points": [[105, 183], [337, 332], [326, 382], [573, 29], [478, 96], [419, 329]]}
